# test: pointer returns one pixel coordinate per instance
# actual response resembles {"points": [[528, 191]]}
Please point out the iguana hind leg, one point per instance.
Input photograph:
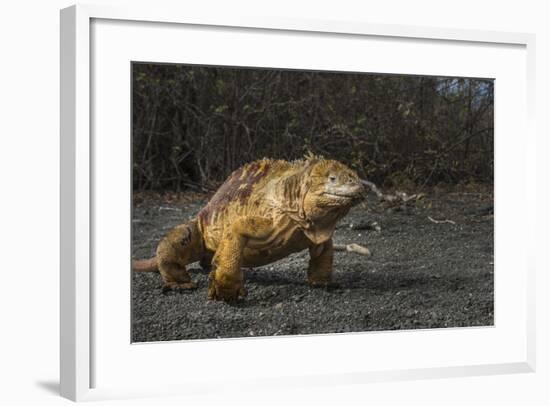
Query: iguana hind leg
{"points": [[319, 273], [181, 246], [175, 277], [226, 281]]}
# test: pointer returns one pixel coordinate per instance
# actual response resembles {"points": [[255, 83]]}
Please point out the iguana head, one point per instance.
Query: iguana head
{"points": [[333, 188]]}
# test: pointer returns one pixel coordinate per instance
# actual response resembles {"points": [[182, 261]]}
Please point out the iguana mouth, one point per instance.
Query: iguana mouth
{"points": [[348, 196]]}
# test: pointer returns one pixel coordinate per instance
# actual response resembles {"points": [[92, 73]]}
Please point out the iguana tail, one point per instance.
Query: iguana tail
{"points": [[145, 265]]}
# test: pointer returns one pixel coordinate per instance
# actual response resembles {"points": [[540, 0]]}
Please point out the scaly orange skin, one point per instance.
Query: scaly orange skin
{"points": [[265, 211]]}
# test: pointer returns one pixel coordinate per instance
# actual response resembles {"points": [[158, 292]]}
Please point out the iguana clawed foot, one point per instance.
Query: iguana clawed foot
{"points": [[178, 286], [225, 289], [329, 285]]}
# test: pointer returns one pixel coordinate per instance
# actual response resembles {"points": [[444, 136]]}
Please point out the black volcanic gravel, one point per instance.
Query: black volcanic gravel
{"points": [[420, 275]]}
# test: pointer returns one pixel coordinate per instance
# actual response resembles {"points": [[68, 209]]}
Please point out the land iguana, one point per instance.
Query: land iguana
{"points": [[265, 211]]}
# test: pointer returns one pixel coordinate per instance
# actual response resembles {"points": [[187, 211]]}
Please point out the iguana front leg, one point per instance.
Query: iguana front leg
{"points": [[227, 279], [319, 272]]}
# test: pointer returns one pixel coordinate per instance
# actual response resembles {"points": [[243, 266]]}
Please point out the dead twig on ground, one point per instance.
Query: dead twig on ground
{"points": [[356, 248], [440, 221], [364, 225], [397, 198], [162, 208]]}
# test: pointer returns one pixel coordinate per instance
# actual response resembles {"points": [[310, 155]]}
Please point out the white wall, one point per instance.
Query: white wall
{"points": [[29, 218]]}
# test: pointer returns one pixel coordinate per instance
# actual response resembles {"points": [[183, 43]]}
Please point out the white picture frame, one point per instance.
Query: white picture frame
{"points": [[77, 323]]}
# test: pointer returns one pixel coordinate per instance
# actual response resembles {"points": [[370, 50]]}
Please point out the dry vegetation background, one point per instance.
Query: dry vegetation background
{"points": [[193, 125]]}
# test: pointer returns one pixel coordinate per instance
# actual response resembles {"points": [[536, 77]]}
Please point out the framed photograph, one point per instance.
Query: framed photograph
{"points": [[288, 202]]}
